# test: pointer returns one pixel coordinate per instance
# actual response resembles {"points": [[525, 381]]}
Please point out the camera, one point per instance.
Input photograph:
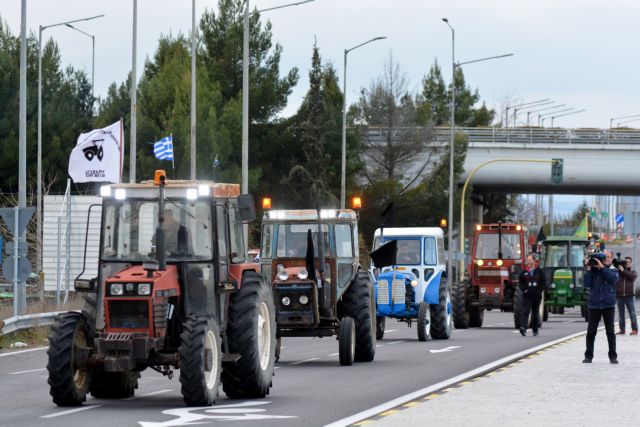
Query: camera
{"points": [[596, 256], [619, 262]]}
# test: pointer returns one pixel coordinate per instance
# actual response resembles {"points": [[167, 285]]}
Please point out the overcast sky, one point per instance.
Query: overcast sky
{"points": [[583, 53]]}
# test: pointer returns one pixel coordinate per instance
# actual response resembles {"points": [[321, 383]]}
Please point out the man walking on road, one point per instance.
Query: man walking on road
{"points": [[601, 277], [532, 286], [625, 296]]}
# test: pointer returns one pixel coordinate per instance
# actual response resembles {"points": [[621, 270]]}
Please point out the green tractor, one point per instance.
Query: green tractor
{"points": [[561, 259]]}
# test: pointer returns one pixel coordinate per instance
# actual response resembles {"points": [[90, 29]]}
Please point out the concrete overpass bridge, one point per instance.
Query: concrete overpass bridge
{"points": [[596, 161]]}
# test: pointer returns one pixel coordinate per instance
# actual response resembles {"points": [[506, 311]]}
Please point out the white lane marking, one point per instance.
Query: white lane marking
{"points": [[153, 393], [22, 351], [447, 383], [24, 372], [395, 342], [442, 350], [334, 354], [304, 361], [390, 330], [379, 345], [71, 411]]}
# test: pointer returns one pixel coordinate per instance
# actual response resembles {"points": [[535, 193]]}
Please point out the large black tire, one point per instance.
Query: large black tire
{"points": [[358, 303], [251, 334], [113, 385], [200, 360], [518, 306], [380, 324], [347, 341], [459, 305], [441, 316], [476, 317], [424, 321], [69, 341]]}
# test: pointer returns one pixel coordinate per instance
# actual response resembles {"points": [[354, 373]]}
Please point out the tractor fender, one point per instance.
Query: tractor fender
{"points": [[432, 292]]}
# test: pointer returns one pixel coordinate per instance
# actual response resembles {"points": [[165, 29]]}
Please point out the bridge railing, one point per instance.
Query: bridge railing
{"points": [[528, 135]]}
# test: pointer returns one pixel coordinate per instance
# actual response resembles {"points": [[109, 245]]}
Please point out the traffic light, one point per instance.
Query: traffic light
{"points": [[556, 171], [443, 223]]}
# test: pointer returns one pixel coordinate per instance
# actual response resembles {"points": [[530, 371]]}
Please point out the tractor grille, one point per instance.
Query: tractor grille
{"points": [[397, 292], [129, 314]]}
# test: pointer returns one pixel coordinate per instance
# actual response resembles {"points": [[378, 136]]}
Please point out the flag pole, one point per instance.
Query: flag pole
{"points": [[173, 154], [121, 145]]}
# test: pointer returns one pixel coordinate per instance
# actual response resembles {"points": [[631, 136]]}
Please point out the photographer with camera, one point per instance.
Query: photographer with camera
{"points": [[625, 293], [600, 278]]}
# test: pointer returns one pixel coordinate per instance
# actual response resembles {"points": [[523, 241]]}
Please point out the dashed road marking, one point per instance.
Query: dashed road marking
{"points": [[395, 342], [304, 361], [153, 393], [13, 353], [334, 354], [25, 372], [71, 411]]}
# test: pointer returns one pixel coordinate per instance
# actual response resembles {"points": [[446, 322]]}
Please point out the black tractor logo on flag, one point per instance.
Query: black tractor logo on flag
{"points": [[94, 150]]}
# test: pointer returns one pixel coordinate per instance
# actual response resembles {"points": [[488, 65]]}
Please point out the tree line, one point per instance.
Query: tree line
{"points": [[296, 160]]}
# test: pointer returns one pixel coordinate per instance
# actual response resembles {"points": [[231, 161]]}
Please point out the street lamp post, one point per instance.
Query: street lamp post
{"points": [[134, 96], [245, 99], [343, 173], [193, 90], [537, 103], [93, 57], [39, 154], [620, 118], [565, 114], [540, 116], [553, 107], [455, 65]]}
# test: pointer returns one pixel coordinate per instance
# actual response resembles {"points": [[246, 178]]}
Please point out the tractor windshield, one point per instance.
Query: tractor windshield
{"points": [[129, 230], [292, 239], [555, 255], [487, 246]]}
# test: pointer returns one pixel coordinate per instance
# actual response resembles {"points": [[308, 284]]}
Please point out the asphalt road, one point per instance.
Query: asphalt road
{"points": [[310, 387]]}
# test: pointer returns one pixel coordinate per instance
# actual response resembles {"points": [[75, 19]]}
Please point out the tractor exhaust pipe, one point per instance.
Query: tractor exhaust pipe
{"points": [[161, 253]]}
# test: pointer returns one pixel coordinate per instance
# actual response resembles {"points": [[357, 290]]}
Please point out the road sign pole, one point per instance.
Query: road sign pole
{"points": [[17, 294]]}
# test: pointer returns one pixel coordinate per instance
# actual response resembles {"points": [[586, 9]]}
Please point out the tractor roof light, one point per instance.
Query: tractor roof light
{"points": [[266, 203], [159, 177], [204, 190], [105, 191], [356, 202], [120, 194], [192, 193]]}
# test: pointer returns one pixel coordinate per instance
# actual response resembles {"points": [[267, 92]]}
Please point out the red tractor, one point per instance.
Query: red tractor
{"points": [[174, 291], [498, 254]]}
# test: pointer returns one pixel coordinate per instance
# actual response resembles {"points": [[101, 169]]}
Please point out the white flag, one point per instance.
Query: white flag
{"points": [[97, 157]]}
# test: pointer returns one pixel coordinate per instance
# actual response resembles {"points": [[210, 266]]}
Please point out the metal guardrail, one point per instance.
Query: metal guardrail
{"points": [[20, 323], [523, 135]]}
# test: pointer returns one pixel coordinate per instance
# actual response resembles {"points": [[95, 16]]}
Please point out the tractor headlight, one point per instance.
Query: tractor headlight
{"points": [[303, 274], [303, 299], [116, 289], [480, 262], [283, 275], [553, 285], [414, 283], [499, 263], [571, 285], [483, 290], [286, 301], [144, 289]]}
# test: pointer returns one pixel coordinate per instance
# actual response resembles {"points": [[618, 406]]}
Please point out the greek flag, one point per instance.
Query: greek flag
{"points": [[163, 149]]}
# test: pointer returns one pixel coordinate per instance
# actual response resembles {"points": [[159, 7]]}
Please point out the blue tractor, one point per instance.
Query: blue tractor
{"points": [[413, 285]]}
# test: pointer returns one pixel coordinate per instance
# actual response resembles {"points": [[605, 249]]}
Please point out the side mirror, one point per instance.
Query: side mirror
{"points": [[246, 207], [85, 285]]}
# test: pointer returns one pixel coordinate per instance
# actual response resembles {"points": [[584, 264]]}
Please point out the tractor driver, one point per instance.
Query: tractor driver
{"points": [[176, 237]]}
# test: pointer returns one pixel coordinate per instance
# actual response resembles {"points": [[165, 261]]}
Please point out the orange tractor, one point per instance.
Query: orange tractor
{"points": [[498, 254], [174, 291]]}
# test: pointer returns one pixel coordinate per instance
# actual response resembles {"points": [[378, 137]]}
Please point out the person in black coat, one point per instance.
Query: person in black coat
{"points": [[532, 285]]}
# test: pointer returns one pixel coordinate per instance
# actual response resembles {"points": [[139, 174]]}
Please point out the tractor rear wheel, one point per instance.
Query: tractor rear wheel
{"points": [[69, 344], [459, 300], [113, 385], [200, 357], [441, 318], [251, 333], [347, 341], [380, 323], [424, 322], [358, 303]]}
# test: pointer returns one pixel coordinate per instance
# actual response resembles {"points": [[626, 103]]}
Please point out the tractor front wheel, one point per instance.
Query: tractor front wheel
{"points": [[200, 360], [424, 322], [69, 347], [441, 317], [251, 333], [347, 341]]}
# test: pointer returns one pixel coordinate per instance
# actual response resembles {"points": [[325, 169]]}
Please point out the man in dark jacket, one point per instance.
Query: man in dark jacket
{"points": [[601, 279], [532, 285], [625, 296]]}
